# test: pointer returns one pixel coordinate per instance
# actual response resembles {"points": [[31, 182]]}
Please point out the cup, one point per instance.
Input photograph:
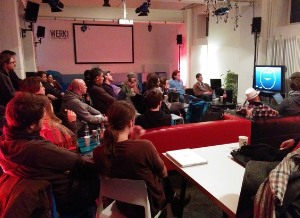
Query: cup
{"points": [[243, 140], [87, 140], [221, 99]]}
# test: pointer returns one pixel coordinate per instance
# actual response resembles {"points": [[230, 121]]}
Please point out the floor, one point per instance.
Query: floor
{"points": [[200, 206]]}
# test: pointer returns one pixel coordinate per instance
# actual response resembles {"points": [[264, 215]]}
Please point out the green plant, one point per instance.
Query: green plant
{"points": [[230, 82]]}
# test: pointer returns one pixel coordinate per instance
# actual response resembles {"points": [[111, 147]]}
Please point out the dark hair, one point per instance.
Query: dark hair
{"points": [[105, 74], [94, 73], [175, 73], [25, 109], [41, 73], [4, 58], [153, 98], [152, 81], [30, 84], [198, 75], [119, 115], [9, 52]]}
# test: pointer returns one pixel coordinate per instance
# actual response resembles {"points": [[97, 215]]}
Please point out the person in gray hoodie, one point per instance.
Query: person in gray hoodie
{"points": [[72, 100], [291, 105]]}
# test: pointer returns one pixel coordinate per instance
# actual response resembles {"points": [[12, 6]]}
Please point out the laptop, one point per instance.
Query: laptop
{"points": [[186, 157], [278, 98]]}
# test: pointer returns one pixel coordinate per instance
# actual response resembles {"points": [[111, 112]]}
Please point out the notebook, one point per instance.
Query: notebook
{"points": [[186, 157], [278, 98]]}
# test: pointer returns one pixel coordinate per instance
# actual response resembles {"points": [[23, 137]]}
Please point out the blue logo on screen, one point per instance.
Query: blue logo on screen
{"points": [[268, 78]]}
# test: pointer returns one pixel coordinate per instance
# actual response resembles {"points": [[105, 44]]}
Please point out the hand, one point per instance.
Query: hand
{"points": [[249, 113], [174, 89], [286, 144], [71, 116], [136, 132], [51, 97]]}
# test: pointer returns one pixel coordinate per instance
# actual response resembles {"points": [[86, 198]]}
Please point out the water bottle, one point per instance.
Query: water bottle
{"points": [[87, 130], [98, 135], [224, 96], [213, 97]]}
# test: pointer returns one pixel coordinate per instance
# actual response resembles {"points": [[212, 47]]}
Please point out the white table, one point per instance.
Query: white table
{"points": [[177, 119], [220, 179]]}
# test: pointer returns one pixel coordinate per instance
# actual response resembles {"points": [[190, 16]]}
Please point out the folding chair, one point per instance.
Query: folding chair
{"points": [[125, 190]]}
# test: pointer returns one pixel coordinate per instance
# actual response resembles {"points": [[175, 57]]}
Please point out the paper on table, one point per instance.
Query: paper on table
{"points": [[186, 157]]}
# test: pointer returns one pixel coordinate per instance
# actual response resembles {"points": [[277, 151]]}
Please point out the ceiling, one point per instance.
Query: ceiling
{"points": [[155, 4]]}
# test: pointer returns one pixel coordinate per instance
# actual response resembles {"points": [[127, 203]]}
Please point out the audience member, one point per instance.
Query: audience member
{"points": [[154, 116], [130, 87], [202, 90], [176, 85], [25, 154], [72, 100], [52, 93], [124, 156], [52, 129], [12, 74], [256, 108], [54, 83], [7, 90], [110, 88], [100, 98], [291, 104]]}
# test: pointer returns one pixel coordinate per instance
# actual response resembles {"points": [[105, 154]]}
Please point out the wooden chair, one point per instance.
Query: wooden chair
{"points": [[125, 190]]}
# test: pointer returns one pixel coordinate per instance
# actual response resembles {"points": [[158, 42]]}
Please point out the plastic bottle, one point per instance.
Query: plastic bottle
{"points": [[98, 135], [213, 97], [87, 130], [224, 96]]}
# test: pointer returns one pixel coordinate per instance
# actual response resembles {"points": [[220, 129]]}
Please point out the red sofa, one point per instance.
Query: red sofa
{"points": [[195, 135]]}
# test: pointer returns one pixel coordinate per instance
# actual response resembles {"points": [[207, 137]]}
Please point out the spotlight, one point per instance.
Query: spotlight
{"points": [[106, 3], [56, 5], [222, 11], [143, 9], [149, 27], [84, 27]]}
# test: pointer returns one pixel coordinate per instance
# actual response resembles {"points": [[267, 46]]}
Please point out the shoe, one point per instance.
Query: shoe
{"points": [[175, 204]]}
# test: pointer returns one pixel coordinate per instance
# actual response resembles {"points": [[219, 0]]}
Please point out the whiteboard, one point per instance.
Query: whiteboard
{"points": [[103, 44]]}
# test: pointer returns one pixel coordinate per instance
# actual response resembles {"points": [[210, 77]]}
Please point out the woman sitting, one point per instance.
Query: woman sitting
{"points": [[124, 156]]}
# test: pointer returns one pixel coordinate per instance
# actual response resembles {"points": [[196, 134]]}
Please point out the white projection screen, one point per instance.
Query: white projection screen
{"points": [[103, 44]]}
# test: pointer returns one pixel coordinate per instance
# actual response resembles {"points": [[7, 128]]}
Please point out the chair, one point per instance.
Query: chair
{"points": [[125, 190]]}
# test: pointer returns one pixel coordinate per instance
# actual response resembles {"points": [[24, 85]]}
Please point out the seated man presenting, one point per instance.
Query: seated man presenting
{"points": [[202, 90]]}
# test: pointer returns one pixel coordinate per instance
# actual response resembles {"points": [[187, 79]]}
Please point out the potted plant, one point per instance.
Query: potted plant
{"points": [[230, 80]]}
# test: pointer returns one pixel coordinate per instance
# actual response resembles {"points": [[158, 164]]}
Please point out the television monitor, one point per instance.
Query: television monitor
{"points": [[269, 78], [215, 83]]}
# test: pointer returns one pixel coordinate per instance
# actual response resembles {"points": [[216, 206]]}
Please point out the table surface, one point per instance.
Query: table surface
{"points": [[220, 179]]}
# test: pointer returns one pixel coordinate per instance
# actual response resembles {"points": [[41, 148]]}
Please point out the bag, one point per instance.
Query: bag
{"points": [[196, 110], [213, 113], [258, 152]]}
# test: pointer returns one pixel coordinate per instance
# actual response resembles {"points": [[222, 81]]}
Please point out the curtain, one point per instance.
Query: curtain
{"points": [[284, 51]]}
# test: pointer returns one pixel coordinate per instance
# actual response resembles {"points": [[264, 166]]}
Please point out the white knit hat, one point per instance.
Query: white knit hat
{"points": [[251, 93]]}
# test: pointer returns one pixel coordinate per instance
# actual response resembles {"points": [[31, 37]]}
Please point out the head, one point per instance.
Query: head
{"points": [[12, 54], [163, 83], [108, 77], [42, 75], [26, 111], [96, 76], [176, 75], [7, 62], [252, 95], [49, 78], [78, 86], [295, 81], [152, 81], [131, 77], [199, 77], [154, 99], [32, 85]]}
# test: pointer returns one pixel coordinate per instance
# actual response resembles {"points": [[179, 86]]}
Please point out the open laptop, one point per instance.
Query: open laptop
{"points": [[278, 98], [186, 157]]}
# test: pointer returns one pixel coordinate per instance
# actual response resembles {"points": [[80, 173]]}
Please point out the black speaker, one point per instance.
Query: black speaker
{"points": [[40, 33], [256, 24], [229, 94], [31, 11], [179, 39]]}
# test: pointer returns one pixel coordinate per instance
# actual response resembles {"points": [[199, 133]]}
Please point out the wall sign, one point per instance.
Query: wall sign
{"points": [[59, 34]]}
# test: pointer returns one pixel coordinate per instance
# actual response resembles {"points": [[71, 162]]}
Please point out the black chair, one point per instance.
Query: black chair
{"points": [[189, 91], [173, 97]]}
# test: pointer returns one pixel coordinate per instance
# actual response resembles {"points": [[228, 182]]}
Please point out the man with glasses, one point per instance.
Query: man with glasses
{"points": [[291, 105], [7, 90]]}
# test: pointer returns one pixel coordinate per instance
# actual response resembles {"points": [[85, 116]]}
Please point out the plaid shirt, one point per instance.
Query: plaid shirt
{"points": [[262, 110], [273, 189]]}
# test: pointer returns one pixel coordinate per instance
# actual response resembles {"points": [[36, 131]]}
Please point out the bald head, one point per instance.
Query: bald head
{"points": [[78, 86]]}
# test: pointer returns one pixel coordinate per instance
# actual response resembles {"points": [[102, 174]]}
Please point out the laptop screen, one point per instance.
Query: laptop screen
{"points": [[278, 98]]}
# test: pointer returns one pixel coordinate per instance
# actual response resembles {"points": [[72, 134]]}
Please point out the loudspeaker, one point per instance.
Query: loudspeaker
{"points": [[179, 39], [229, 94], [40, 33], [31, 11], [256, 24]]}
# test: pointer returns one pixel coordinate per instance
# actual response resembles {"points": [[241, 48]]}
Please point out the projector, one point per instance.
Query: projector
{"points": [[125, 21]]}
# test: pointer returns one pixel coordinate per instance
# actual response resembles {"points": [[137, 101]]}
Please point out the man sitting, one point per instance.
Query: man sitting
{"points": [[202, 90], [291, 104], [130, 87], [72, 100], [112, 89], [153, 116], [256, 108]]}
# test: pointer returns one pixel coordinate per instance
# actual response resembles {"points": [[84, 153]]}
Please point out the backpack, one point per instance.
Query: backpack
{"points": [[213, 113], [196, 110]]}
